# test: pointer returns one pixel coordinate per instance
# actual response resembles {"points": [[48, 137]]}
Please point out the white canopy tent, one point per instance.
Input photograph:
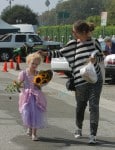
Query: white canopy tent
{"points": [[26, 27], [7, 28]]}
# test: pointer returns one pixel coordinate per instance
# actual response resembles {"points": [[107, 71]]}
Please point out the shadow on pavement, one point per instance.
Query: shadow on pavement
{"points": [[81, 141]]}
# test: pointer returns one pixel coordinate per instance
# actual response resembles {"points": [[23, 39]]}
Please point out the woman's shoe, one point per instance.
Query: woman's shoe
{"points": [[78, 133], [92, 139]]}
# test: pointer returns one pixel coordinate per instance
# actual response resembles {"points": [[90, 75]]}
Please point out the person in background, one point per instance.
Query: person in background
{"points": [[110, 46], [110, 49], [32, 102], [78, 51]]}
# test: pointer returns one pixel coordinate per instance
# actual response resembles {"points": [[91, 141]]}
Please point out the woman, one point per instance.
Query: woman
{"points": [[78, 52]]}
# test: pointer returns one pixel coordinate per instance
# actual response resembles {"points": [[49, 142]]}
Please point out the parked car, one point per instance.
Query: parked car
{"points": [[109, 63], [11, 41], [26, 49]]}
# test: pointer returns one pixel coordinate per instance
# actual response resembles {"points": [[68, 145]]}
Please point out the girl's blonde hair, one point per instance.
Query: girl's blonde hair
{"points": [[33, 56]]}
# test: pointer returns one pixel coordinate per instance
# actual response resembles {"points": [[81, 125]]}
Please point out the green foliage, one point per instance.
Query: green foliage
{"points": [[94, 19], [57, 33], [19, 13], [64, 33]]}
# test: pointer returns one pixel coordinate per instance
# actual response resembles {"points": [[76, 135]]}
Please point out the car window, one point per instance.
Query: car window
{"points": [[34, 38], [6, 38], [20, 38]]}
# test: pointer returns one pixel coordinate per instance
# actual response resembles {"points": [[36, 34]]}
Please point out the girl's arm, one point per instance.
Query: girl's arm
{"points": [[20, 80]]}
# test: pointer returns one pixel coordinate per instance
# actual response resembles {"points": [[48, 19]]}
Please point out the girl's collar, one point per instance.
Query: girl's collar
{"points": [[29, 73]]}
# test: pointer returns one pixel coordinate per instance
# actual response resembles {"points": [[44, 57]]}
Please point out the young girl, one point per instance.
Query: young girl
{"points": [[32, 102]]}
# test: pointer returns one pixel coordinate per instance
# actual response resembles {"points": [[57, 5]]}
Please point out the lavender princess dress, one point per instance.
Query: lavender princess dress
{"points": [[32, 103]]}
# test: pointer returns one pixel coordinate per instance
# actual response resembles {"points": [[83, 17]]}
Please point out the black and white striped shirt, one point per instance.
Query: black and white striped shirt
{"points": [[77, 54]]}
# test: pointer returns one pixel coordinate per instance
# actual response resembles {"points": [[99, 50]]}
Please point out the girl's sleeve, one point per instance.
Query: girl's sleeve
{"points": [[21, 76]]}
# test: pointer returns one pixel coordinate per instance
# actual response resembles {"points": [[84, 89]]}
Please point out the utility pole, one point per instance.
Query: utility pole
{"points": [[10, 3], [47, 3]]}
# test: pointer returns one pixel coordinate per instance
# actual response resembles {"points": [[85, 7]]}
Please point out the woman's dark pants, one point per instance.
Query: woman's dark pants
{"points": [[88, 93]]}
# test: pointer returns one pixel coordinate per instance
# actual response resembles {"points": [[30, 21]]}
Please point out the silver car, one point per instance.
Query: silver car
{"points": [[109, 63]]}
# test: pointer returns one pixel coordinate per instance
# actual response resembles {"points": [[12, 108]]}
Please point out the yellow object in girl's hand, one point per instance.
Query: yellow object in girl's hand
{"points": [[43, 77]]}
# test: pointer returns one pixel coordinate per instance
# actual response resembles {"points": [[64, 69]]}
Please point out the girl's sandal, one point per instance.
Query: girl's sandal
{"points": [[35, 138], [29, 132]]}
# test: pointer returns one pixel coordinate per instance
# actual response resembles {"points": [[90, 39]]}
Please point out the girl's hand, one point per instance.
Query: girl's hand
{"points": [[38, 86], [18, 84]]}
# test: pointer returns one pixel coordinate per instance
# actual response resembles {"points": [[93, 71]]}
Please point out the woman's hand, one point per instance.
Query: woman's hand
{"points": [[42, 53], [92, 59]]}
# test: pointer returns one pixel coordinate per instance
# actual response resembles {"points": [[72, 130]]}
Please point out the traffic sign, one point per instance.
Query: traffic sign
{"points": [[47, 3], [103, 18]]}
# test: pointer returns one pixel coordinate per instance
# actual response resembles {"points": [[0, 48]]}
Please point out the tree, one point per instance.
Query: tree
{"points": [[66, 12], [19, 14], [94, 19], [111, 13]]}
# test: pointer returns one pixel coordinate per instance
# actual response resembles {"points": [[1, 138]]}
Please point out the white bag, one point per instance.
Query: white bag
{"points": [[88, 73]]}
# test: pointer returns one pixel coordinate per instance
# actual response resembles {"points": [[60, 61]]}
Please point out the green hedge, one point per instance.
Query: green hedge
{"points": [[64, 33]]}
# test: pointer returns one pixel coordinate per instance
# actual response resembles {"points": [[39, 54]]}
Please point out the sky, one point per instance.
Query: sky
{"points": [[38, 6]]}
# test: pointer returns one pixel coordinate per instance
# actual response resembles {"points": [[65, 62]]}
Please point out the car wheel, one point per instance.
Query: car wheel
{"points": [[5, 56], [15, 58]]}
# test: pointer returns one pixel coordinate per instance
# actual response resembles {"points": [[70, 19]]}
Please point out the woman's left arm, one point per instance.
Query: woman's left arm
{"points": [[99, 56]]}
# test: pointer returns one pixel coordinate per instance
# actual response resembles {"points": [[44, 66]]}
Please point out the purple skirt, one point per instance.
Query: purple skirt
{"points": [[32, 115]]}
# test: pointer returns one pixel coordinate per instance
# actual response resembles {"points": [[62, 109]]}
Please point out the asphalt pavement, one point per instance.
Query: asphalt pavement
{"points": [[61, 117]]}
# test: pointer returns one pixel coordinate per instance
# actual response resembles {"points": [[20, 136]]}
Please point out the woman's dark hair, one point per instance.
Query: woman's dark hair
{"points": [[91, 26], [81, 26]]}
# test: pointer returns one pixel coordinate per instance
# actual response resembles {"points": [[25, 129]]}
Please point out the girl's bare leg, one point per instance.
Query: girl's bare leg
{"points": [[29, 131], [34, 136]]}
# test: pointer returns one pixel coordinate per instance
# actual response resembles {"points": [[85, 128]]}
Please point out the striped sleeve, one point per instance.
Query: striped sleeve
{"points": [[99, 56], [67, 51]]}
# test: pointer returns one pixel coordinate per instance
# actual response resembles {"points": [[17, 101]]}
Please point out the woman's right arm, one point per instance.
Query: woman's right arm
{"points": [[55, 54], [63, 52]]}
